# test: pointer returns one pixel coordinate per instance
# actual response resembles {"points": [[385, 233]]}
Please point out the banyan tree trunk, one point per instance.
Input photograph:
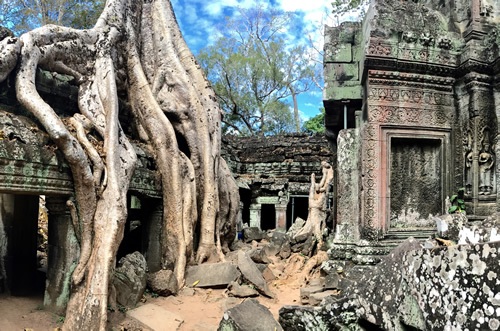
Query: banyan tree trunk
{"points": [[136, 51]]}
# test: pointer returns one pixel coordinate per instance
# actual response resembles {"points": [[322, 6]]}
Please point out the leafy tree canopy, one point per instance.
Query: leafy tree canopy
{"points": [[341, 7], [316, 124], [23, 15], [254, 68]]}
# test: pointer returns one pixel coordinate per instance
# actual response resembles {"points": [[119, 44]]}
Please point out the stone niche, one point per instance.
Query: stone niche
{"points": [[421, 113], [415, 181]]}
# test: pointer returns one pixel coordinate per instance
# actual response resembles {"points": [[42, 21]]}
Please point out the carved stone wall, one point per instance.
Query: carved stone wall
{"points": [[430, 79]]}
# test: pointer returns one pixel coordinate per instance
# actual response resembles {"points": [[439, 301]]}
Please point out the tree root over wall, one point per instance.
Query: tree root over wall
{"points": [[137, 52]]}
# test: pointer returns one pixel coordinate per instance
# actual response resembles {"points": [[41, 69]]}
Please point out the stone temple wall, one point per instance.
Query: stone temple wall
{"points": [[420, 81], [274, 173]]}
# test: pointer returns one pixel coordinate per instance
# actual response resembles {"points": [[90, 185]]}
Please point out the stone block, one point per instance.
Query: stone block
{"points": [[349, 160], [211, 275], [242, 291], [156, 317], [331, 281], [305, 292], [341, 53], [316, 298], [252, 274], [253, 233], [130, 279], [268, 274], [162, 282], [258, 255], [250, 315]]}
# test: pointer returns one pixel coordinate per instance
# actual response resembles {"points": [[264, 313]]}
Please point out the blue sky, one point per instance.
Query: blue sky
{"points": [[198, 20]]}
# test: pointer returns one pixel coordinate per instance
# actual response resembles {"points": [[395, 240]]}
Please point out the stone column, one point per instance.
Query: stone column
{"points": [[63, 254], [348, 203], [280, 217], [153, 229], [255, 214]]}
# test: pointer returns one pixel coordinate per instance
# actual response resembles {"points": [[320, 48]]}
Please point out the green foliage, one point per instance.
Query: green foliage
{"points": [[341, 7], [457, 202], [316, 124], [24, 15], [253, 69], [152, 293]]}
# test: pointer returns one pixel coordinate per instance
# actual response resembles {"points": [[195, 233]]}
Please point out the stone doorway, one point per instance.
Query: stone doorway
{"points": [[416, 184], [268, 217], [19, 273]]}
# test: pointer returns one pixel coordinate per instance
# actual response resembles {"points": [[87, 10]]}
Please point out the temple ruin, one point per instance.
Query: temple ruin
{"points": [[273, 174], [31, 166], [412, 97]]}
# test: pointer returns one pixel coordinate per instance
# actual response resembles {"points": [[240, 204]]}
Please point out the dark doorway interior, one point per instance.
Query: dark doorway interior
{"points": [[268, 217], [19, 274], [132, 237], [298, 206], [245, 198]]}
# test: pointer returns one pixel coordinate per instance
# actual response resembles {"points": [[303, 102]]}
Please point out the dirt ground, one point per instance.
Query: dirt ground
{"points": [[201, 309]]}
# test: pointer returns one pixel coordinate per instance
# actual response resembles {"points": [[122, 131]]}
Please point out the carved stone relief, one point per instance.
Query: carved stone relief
{"points": [[485, 159], [415, 182]]}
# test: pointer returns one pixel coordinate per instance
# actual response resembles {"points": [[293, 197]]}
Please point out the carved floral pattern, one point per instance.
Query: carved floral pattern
{"points": [[411, 96], [403, 115]]}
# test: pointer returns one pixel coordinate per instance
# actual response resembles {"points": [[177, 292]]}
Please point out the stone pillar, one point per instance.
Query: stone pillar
{"points": [[18, 243], [63, 254], [280, 217], [255, 211], [152, 234], [358, 118], [348, 203]]}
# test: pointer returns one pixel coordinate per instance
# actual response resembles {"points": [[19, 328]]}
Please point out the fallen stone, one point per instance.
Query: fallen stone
{"points": [[253, 233], [305, 245], [211, 275], [296, 226], [237, 245], [162, 282], [268, 274], [450, 225], [332, 281], [306, 292], [242, 291], [279, 238], [316, 298], [285, 251], [252, 274], [229, 303], [309, 245], [187, 291], [130, 279], [259, 255], [250, 315], [156, 317]]}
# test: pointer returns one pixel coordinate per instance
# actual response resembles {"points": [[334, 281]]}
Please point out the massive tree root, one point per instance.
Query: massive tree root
{"points": [[135, 50]]}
